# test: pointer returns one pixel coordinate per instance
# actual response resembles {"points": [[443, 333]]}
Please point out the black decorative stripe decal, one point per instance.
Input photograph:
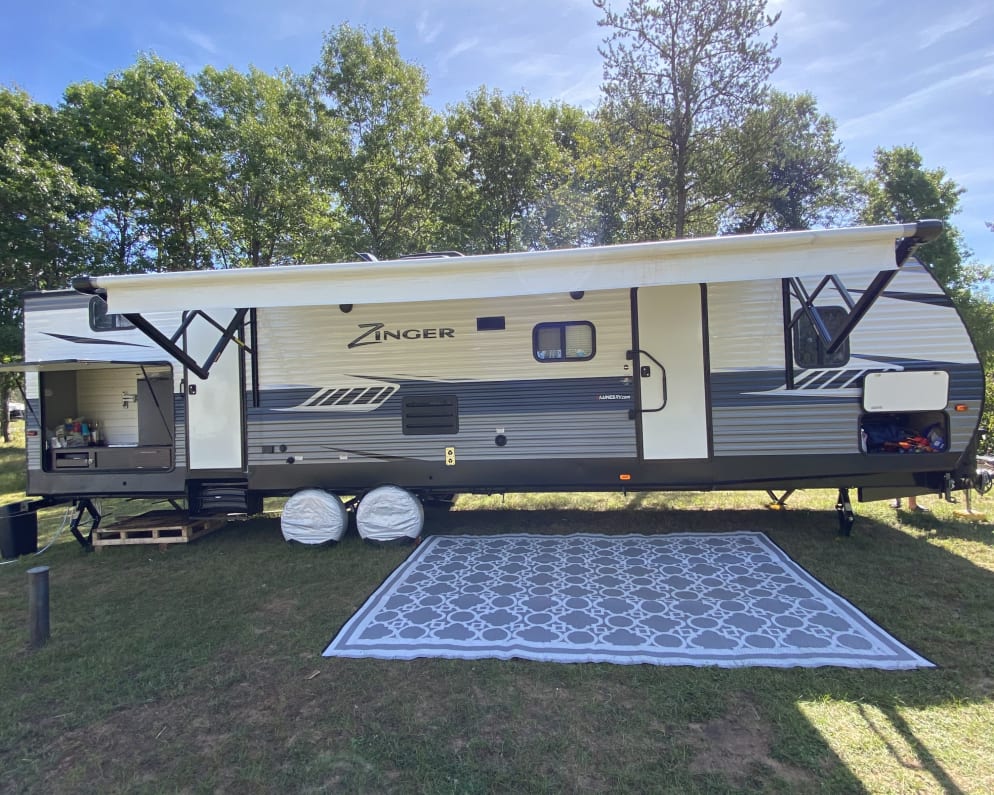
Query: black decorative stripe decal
{"points": [[367, 454], [933, 299], [92, 340]]}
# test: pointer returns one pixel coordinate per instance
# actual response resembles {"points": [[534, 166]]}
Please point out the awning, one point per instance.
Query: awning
{"points": [[687, 261], [71, 365]]}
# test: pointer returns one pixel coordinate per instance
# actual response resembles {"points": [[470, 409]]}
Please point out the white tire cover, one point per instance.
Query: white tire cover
{"points": [[313, 516], [389, 513]]}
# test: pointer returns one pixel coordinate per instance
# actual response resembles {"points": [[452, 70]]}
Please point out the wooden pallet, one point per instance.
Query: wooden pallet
{"points": [[156, 527]]}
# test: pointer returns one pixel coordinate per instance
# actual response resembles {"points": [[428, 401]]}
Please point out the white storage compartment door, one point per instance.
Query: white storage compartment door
{"points": [[926, 390]]}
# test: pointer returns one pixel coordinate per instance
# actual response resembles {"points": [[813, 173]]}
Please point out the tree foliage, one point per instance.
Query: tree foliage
{"points": [[683, 73], [792, 173], [145, 149], [565, 212], [632, 183], [276, 151], [516, 159], [387, 176], [44, 210], [43, 218], [900, 188]]}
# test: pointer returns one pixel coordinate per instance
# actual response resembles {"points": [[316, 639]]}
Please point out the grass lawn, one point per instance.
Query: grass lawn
{"points": [[198, 669]]}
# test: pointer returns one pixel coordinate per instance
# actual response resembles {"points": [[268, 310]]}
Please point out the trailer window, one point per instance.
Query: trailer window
{"points": [[102, 320], [571, 340], [809, 350]]}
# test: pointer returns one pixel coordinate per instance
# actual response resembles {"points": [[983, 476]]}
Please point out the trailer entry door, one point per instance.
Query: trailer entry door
{"points": [[670, 369], [213, 405]]}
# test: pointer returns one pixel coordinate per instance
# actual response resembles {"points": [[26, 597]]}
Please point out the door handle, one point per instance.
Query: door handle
{"points": [[645, 372]]}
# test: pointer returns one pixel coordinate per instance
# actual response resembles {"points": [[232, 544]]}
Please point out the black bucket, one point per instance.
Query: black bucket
{"points": [[18, 530]]}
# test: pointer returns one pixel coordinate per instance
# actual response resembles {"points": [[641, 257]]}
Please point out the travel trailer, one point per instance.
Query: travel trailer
{"points": [[812, 359]]}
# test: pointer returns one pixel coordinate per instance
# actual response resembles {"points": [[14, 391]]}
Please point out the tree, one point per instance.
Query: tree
{"points": [[11, 345], [514, 154], [565, 213], [793, 175], [387, 175], [44, 215], [683, 73], [276, 152], [632, 185], [144, 143], [44, 211], [899, 188]]}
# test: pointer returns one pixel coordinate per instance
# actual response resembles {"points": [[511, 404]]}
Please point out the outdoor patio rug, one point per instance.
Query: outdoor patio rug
{"points": [[728, 599]]}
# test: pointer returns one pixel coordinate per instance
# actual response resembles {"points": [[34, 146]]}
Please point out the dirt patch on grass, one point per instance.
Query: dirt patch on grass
{"points": [[223, 735], [736, 744]]}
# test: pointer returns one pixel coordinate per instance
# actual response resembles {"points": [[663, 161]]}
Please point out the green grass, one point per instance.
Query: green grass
{"points": [[198, 669], [12, 465]]}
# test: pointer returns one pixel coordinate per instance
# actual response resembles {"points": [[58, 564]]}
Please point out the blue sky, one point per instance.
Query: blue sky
{"points": [[889, 73]]}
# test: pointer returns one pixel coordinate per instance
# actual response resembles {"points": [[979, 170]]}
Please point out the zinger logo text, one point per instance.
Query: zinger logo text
{"points": [[375, 333]]}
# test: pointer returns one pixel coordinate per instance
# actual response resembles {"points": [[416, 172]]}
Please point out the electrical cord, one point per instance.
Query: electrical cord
{"points": [[60, 531], [62, 528]]}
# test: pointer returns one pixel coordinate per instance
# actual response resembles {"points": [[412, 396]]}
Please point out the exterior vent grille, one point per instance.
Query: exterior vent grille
{"points": [[359, 398], [428, 414], [356, 396]]}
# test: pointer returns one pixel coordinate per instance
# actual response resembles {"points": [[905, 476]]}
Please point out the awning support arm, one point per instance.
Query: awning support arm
{"points": [[169, 345], [869, 297], [926, 231]]}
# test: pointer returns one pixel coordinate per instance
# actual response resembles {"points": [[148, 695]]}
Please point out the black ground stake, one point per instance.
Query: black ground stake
{"points": [[38, 624]]}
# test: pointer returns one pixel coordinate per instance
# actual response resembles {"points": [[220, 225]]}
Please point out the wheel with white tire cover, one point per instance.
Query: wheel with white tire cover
{"points": [[314, 516], [389, 513]]}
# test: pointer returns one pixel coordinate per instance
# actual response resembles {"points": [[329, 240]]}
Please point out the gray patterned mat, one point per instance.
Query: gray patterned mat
{"points": [[729, 599]]}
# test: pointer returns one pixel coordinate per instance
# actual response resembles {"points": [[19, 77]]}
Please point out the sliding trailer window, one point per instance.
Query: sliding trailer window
{"points": [[566, 341]]}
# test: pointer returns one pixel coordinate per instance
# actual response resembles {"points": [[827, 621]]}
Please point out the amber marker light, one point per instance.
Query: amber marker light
{"points": [[961, 407], [624, 476]]}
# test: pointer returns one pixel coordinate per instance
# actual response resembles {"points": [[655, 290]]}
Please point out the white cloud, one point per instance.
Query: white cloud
{"points": [[882, 118], [585, 92], [288, 25], [839, 62], [457, 49], [800, 22], [538, 64], [953, 23], [428, 32], [199, 39]]}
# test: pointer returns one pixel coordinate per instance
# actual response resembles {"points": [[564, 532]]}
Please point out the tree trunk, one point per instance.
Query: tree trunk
{"points": [[4, 418]]}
